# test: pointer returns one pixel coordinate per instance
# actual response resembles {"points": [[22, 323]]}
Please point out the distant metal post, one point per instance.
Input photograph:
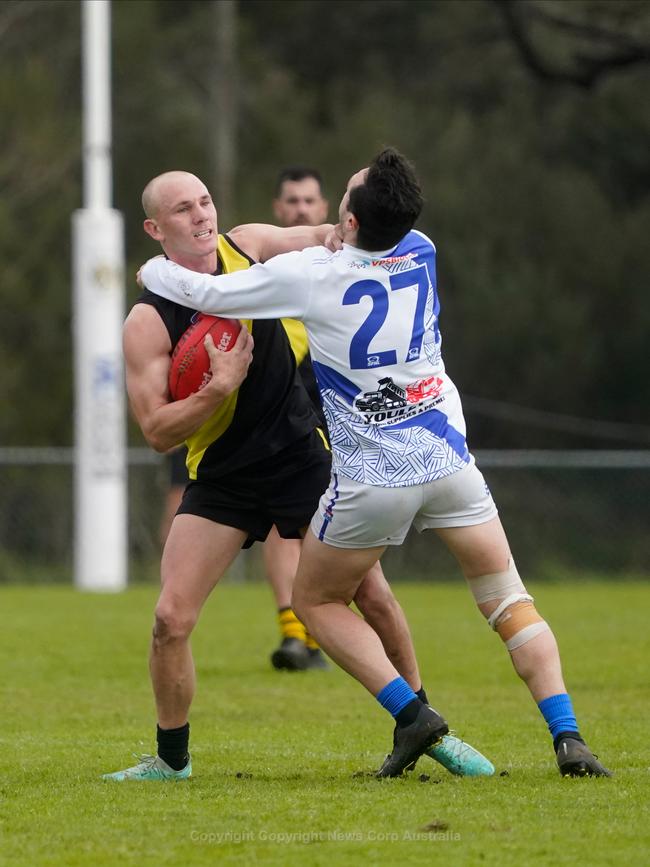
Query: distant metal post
{"points": [[222, 110], [98, 306]]}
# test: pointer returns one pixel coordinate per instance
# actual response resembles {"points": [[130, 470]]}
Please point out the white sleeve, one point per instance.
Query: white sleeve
{"points": [[277, 288]]}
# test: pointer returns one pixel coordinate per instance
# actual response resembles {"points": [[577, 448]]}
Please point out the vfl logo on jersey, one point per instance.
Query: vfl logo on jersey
{"points": [[181, 282], [392, 402], [412, 355]]}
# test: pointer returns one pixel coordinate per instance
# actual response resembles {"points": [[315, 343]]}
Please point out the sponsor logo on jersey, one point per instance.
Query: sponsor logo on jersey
{"points": [[390, 263], [395, 263], [429, 387], [391, 402]]}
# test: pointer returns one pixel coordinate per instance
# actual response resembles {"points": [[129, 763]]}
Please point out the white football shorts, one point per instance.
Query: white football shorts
{"points": [[353, 515]]}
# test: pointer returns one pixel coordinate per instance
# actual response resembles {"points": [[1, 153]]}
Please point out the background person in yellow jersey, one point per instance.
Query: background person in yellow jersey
{"points": [[255, 456], [298, 201]]}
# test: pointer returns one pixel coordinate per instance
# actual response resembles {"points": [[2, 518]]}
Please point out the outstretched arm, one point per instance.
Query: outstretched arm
{"points": [[261, 241], [271, 290]]}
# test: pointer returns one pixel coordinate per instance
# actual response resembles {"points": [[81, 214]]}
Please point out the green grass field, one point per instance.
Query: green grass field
{"points": [[280, 759]]}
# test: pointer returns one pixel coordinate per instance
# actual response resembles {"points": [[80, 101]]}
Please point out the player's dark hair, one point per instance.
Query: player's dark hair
{"points": [[388, 203], [297, 173]]}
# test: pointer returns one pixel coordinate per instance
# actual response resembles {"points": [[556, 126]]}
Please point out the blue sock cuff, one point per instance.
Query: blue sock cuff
{"points": [[557, 710], [395, 696]]}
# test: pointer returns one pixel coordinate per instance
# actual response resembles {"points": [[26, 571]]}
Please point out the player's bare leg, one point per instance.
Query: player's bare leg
{"points": [[484, 556], [326, 582], [483, 550], [196, 555], [172, 502], [376, 601], [297, 651], [280, 563]]}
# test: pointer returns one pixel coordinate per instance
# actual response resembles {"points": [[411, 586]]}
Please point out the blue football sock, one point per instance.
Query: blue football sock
{"points": [[557, 710], [395, 696]]}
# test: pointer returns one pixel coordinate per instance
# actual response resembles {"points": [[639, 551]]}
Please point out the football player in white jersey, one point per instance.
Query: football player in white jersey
{"points": [[400, 456]]}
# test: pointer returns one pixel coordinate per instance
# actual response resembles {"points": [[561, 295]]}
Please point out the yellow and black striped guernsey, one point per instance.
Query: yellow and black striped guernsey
{"points": [[297, 334], [269, 410]]}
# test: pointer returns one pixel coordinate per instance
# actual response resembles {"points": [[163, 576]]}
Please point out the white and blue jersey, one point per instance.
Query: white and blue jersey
{"points": [[394, 416]]}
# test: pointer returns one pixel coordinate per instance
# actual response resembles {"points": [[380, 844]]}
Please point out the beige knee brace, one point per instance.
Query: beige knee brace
{"points": [[517, 621], [515, 618]]}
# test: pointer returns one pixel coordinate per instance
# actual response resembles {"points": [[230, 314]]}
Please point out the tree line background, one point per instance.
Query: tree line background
{"points": [[527, 122]]}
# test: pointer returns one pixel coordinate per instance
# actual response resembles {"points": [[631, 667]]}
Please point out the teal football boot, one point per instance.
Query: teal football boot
{"points": [[150, 768], [460, 758]]}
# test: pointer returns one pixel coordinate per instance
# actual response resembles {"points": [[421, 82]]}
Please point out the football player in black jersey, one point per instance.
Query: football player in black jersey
{"points": [[256, 458]]}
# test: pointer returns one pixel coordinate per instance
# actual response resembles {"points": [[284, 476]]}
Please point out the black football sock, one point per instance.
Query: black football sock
{"points": [[408, 714], [421, 694], [173, 746], [560, 736]]}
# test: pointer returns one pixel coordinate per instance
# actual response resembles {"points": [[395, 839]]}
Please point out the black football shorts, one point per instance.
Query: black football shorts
{"points": [[283, 489], [177, 469]]}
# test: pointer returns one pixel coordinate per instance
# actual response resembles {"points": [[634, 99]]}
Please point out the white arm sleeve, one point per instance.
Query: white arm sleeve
{"points": [[277, 288]]}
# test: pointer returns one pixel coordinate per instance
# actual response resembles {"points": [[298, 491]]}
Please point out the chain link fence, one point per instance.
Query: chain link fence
{"points": [[577, 513]]}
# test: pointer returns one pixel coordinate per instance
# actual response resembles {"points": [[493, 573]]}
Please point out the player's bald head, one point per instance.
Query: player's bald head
{"points": [[163, 188]]}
